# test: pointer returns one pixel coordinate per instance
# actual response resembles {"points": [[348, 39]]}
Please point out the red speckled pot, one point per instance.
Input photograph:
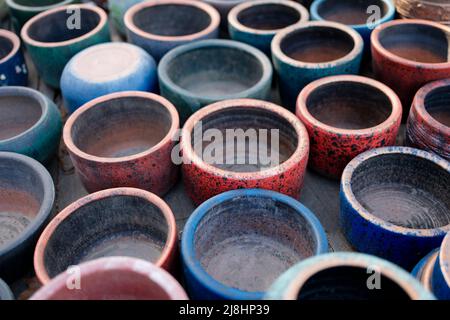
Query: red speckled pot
{"points": [[124, 139], [205, 179], [408, 54], [345, 116], [428, 126]]}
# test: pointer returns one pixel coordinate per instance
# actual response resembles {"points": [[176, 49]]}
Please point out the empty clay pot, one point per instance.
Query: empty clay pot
{"points": [[347, 276], [408, 54], [435, 10], [345, 116], [26, 201], [117, 10], [423, 271], [124, 139], [30, 123], [313, 50], [395, 203], [198, 74], [428, 125], [257, 22], [274, 156], [114, 222], [235, 244], [161, 25], [114, 278], [441, 271], [13, 70], [54, 36], [5, 291]]}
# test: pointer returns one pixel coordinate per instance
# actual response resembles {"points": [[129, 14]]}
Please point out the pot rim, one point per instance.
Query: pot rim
{"points": [[5, 291], [346, 189], [234, 22], [301, 151], [394, 117], [205, 7], [13, 4], [100, 25], [11, 36], [189, 256], [73, 148], [358, 45], [46, 205], [47, 234], [376, 44], [423, 271], [444, 259]]}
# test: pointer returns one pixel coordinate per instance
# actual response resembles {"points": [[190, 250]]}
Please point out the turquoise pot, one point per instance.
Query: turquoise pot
{"points": [[117, 9]]}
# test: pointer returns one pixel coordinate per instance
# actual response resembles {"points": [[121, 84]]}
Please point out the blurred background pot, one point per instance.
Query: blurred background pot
{"points": [[5, 291], [441, 271], [435, 10], [117, 10], [13, 70]]}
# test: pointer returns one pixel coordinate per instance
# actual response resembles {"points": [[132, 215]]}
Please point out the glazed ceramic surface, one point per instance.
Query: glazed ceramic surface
{"points": [[223, 7], [423, 271], [5, 291], [13, 70], [235, 244], [117, 10], [435, 10], [441, 271]]}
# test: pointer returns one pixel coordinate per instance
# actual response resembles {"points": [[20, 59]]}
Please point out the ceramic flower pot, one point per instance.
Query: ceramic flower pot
{"points": [[223, 7], [408, 54], [114, 278], [313, 50], [30, 123], [117, 9], [54, 36], [5, 292], [257, 22], [26, 201], [347, 276], [395, 204], [235, 244], [201, 73], [274, 156], [345, 116], [115, 222], [147, 27], [435, 10], [428, 125], [423, 271], [13, 70], [124, 139], [107, 68], [441, 271], [3, 9]]}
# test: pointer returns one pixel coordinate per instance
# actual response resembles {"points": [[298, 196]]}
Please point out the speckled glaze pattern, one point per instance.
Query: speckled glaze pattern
{"points": [[441, 272], [13, 69], [5, 292], [117, 10]]}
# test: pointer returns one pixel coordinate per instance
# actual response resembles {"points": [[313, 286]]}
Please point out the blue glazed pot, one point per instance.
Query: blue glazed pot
{"points": [[107, 68], [235, 244], [30, 123], [147, 24], [394, 203], [347, 276], [310, 51], [5, 291], [424, 269], [441, 272], [257, 22], [117, 9], [13, 70]]}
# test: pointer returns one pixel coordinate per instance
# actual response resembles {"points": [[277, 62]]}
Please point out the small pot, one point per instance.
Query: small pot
{"points": [[395, 204], [124, 139], [198, 74], [423, 271], [13, 69], [30, 123], [313, 50], [114, 278], [50, 42], [347, 276], [27, 194], [438, 11], [224, 7], [257, 22], [5, 292], [441, 272], [107, 68], [345, 116], [428, 125], [407, 54], [147, 24], [235, 244], [114, 222], [252, 164], [117, 10]]}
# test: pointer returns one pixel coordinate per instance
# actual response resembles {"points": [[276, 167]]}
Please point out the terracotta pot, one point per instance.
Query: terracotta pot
{"points": [[235, 244], [441, 271], [114, 278], [13, 69], [408, 54], [5, 292], [124, 139], [252, 164], [428, 125], [395, 204], [435, 10], [345, 116], [114, 222]]}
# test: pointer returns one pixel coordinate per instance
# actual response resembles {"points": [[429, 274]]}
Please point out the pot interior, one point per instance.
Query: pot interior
{"points": [[118, 225], [437, 104], [317, 44], [37, 3], [172, 20], [349, 105], [6, 46], [247, 242], [268, 16], [351, 12], [416, 42], [243, 139], [121, 127], [404, 190]]}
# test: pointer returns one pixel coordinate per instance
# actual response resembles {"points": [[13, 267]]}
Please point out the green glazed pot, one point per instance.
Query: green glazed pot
{"points": [[117, 9]]}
